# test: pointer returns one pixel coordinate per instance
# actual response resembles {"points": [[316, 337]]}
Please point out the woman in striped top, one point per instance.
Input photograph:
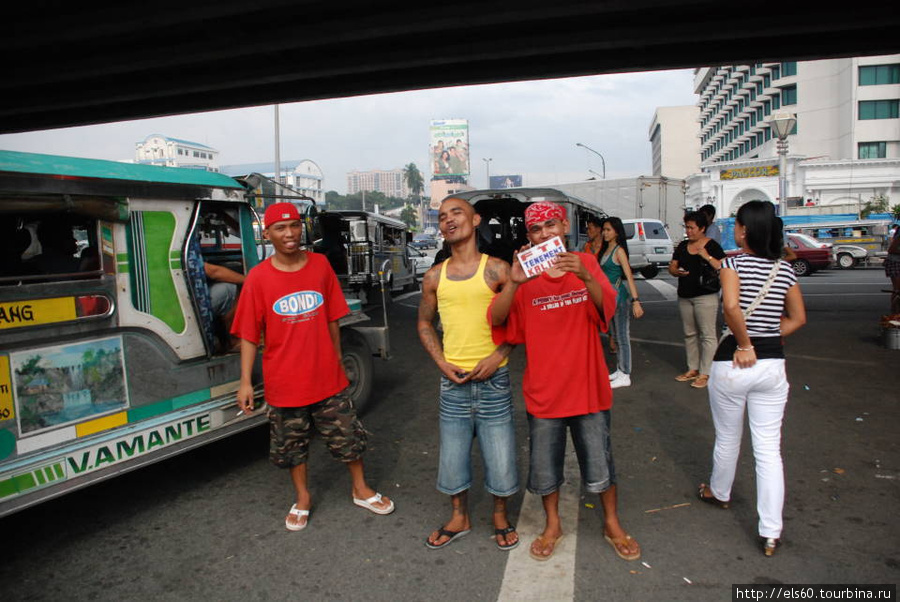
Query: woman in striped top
{"points": [[748, 368]]}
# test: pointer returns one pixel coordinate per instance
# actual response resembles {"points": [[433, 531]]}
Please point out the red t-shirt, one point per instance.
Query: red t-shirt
{"points": [[293, 309], [566, 373]]}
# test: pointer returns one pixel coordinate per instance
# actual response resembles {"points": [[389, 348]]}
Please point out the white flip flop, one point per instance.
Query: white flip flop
{"points": [[369, 504], [299, 514]]}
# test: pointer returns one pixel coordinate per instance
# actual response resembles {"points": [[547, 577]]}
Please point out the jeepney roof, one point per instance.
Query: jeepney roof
{"points": [[74, 167], [351, 213], [525, 195], [494, 198]]}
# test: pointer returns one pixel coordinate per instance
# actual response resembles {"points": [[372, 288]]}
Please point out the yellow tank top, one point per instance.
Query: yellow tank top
{"points": [[463, 306]]}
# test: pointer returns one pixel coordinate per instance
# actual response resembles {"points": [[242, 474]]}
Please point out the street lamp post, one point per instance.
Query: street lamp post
{"points": [[783, 124], [487, 168], [602, 160]]}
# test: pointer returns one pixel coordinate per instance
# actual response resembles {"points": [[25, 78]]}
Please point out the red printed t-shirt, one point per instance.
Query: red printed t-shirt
{"points": [[292, 310], [566, 372]]}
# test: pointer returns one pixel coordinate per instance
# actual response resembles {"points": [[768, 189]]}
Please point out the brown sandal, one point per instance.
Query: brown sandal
{"points": [[688, 376], [701, 381], [711, 499]]}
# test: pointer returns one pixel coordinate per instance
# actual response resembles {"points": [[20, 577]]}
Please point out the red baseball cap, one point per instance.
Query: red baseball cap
{"points": [[280, 212]]}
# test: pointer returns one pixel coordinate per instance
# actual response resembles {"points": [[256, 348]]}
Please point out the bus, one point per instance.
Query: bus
{"points": [[110, 358]]}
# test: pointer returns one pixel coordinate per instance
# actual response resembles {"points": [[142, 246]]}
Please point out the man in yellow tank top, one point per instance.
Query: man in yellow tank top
{"points": [[475, 397]]}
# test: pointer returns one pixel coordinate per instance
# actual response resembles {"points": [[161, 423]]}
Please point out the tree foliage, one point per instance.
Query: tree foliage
{"points": [[409, 216], [878, 204], [414, 180]]}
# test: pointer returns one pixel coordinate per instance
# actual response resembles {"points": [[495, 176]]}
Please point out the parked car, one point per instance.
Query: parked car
{"points": [[424, 241], [649, 245], [811, 256], [421, 261]]}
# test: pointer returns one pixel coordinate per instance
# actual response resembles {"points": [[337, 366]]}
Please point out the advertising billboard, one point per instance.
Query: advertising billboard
{"points": [[449, 149], [505, 182]]}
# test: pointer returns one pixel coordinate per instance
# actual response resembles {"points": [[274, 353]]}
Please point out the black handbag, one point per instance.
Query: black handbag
{"points": [[709, 278]]}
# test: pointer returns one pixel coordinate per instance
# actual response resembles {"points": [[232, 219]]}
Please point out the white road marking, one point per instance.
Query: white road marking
{"points": [[665, 289], [406, 296], [554, 579]]}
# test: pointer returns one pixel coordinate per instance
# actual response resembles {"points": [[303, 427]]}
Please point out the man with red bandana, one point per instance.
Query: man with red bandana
{"points": [[295, 300], [556, 315]]}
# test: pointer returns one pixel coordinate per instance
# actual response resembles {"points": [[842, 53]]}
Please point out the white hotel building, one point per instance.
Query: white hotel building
{"points": [[844, 151]]}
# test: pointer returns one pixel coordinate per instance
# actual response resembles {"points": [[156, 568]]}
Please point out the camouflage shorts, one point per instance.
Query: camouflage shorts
{"points": [[291, 430]]}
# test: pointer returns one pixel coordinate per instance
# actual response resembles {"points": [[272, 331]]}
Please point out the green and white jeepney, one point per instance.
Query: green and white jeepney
{"points": [[109, 356]]}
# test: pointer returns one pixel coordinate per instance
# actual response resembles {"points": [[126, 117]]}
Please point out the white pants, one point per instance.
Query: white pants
{"points": [[763, 389]]}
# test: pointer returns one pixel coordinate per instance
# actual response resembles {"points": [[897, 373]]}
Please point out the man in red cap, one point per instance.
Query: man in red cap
{"points": [[566, 384], [295, 299]]}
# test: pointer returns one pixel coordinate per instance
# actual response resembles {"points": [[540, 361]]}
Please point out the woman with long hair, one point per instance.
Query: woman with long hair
{"points": [[762, 303], [613, 258], [694, 262]]}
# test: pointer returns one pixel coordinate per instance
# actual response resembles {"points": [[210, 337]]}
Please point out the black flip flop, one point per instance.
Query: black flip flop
{"points": [[504, 533], [442, 532]]}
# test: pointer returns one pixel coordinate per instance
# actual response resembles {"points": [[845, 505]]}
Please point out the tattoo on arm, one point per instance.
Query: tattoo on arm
{"points": [[496, 273], [427, 312]]}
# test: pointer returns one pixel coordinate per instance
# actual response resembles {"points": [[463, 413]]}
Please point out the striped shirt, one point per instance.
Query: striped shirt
{"points": [[753, 271]]}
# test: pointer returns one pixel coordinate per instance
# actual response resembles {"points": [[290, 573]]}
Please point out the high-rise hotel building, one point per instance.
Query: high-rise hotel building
{"points": [[845, 146]]}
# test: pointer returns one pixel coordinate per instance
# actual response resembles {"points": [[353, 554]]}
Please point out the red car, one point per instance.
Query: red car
{"points": [[810, 254]]}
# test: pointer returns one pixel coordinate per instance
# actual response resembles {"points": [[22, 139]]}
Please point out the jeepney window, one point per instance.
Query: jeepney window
{"points": [[220, 236], [48, 247]]}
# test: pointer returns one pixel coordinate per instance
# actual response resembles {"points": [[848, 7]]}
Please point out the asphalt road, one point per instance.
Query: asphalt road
{"points": [[209, 524]]}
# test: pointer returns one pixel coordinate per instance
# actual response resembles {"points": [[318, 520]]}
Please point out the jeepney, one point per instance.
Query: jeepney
{"points": [[358, 244], [502, 229], [109, 356]]}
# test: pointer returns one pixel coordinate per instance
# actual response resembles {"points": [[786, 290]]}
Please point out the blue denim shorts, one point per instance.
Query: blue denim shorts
{"points": [[590, 434], [480, 409]]}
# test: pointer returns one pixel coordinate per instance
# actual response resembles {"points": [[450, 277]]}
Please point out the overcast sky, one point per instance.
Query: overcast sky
{"points": [[527, 128]]}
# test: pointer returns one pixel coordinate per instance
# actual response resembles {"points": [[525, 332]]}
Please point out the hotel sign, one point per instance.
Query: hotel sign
{"points": [[749, 172]]}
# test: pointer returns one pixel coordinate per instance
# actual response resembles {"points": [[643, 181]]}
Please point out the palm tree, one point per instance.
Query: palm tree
{"points": [[414, 180]]}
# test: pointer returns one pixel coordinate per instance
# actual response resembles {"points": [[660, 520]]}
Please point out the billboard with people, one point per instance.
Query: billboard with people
{"points": [[449, 148], [505, 182]]}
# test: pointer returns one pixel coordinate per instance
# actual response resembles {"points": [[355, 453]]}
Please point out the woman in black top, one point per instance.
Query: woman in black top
{"points": [[695, 263]]}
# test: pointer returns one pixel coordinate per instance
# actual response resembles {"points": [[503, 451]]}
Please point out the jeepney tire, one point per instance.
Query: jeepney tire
{"points": [[649, 271], [801, 267], [357, 360], [846, 261]]}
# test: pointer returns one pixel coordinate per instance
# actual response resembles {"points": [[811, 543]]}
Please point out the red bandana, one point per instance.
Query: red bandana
{"points": [[537, 213]]}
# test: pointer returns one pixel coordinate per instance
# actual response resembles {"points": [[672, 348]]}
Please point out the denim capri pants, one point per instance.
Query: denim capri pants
{"points": [[480, 409], [590, 434]]}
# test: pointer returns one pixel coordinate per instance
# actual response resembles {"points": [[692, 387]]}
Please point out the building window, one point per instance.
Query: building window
{"points": [[879, 109], [876, 75], [789, 95], [789, 68], [872, 150]]}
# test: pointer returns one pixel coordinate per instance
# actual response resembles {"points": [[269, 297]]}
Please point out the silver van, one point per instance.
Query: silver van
{"points": [[649, 245]]}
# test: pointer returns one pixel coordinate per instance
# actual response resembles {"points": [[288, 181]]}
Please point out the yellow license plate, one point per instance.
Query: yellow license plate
{"points": [[31, 312]]}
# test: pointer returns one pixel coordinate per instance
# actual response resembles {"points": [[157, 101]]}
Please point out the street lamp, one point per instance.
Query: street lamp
{"points": [[487, 167], [783, 124], [602, 160]]}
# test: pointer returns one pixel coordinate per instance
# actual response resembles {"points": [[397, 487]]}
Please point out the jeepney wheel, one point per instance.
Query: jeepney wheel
{"points": [[357, 360], [649, 271], [801, 267], [846, 261]]}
